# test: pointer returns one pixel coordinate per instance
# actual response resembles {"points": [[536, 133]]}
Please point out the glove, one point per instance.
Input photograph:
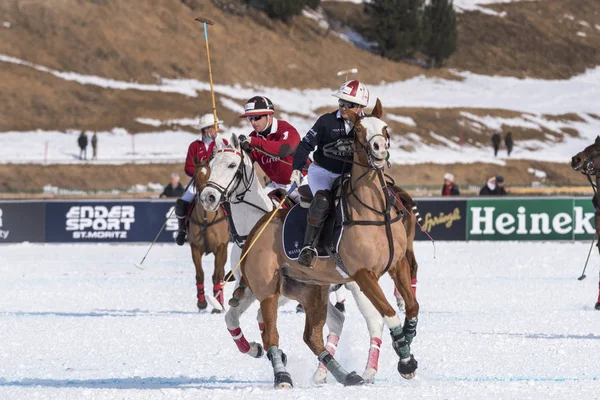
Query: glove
{"points": [[296, 177], [245, 142]]}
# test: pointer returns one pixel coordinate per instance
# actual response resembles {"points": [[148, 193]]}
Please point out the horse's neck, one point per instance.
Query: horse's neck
{"points": [[245, 215], [367, 188]]}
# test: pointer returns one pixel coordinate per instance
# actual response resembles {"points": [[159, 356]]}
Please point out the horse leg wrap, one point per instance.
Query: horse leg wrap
{"points": [[218, 292], [200, 295], [278, 360], [240, 340], [339, 373], [238, 295], [410, 329], [399, 342], [261, 327], [331, 346], [373, 360], [413, 285]]}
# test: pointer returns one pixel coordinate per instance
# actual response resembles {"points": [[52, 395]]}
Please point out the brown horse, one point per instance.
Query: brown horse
{"points": [[588, 163], [207, 233], [270, 273]]}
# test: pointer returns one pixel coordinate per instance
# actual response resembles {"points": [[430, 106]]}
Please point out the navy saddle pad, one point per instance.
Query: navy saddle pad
{"points": [[294, 227]]}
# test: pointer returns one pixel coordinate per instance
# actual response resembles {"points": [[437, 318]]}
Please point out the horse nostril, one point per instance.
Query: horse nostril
{"points": [[211, 198]]}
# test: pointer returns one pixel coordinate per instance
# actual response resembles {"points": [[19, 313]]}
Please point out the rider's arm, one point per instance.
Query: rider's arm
{"points": [[307, 145], [287, 134], [189, 160]]}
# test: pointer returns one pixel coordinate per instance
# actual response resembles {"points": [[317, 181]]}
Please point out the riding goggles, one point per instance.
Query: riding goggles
{"points": [[347, 104], [255, 118]]}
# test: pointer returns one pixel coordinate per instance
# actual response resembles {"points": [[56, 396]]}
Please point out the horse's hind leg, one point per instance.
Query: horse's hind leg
{"points": [[197, 258], [375, 327], [219, 273], [370, 287], [232, 320], [314, 299], [270, 336]]}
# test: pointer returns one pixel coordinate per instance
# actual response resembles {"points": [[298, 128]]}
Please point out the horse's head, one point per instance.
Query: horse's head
{"points": [[228, 170], [371, 134], [201, 174], [586, 160]]}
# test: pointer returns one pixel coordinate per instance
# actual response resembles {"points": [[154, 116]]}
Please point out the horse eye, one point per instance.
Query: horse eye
{"points": [[232, 165]]}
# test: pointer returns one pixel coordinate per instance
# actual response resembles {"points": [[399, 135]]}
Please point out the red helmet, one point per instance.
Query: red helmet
{"points": [[354, 92]]}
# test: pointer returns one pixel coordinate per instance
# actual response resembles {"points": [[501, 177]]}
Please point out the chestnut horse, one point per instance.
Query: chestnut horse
{"points": [[207, 233], [588, 163], [365, 262]]}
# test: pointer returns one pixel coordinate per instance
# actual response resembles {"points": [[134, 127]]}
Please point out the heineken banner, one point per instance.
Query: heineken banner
{"points": [[443, 220], [530, 219]]}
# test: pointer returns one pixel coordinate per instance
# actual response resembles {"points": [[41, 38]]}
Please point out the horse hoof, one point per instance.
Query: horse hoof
{"points": [[233, 302], [283, 380], [353, 379], [215, 311], [256, 350], [407, 368], [597, 306], [202, 305], [369, 375], [320, 376], [299, 309]]}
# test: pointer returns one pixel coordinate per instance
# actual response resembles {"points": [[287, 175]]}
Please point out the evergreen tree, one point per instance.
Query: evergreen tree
{"points": [[395, 26], [439, 31]]}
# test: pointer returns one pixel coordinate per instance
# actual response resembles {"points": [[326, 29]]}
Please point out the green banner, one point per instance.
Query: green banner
{"points": [[530, 219]]}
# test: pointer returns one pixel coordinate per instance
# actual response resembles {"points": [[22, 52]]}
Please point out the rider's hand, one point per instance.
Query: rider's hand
{"points": [[245, 142], [296, 177]]}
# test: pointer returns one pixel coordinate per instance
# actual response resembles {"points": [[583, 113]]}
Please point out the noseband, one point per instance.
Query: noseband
{"points": [[226, 192], [587, 166]]}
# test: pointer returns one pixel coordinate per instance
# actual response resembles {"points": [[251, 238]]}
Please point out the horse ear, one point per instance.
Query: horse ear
{"points": [[377, 110], [235, 141], [354, 117], [220, 143], [597, 142]]}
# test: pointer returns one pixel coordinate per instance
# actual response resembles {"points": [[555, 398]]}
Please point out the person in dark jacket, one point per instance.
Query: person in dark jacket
{"points": [[508, 142], [329, 128], [494, 187], [449, 188], [82, 140], [496, 143], [174, 188]]}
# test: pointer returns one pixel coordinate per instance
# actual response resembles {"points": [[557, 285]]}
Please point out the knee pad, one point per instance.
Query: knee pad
{"points": [[319, 208]]}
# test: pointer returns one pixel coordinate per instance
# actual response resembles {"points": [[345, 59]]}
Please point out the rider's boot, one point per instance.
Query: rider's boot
{"points": [[181, 209], [317, 214]]}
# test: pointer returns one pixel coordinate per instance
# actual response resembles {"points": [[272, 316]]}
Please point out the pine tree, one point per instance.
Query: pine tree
{"points": [[284, 10], [439, 31], [395, 26]]}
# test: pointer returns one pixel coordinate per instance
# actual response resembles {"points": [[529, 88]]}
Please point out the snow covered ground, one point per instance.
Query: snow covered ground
{"points": [[506, 321]]}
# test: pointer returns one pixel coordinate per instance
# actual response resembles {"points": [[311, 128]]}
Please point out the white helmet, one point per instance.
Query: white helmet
{"points": [[354, 92], [207, 120]]}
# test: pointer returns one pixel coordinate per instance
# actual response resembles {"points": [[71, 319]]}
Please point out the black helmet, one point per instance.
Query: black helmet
{"points": [[258, 105]]}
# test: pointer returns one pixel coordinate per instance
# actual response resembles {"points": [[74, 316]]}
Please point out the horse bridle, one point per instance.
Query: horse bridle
{"points": [[588, 164]]}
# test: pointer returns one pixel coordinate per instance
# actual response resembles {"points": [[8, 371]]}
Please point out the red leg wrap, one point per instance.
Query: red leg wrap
{"points": [[218, 292], [200, 294], [373, 360], [240, 340], [413, 285]]}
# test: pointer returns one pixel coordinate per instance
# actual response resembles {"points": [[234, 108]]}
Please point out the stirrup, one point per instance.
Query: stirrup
{"points": [[307, 255]]}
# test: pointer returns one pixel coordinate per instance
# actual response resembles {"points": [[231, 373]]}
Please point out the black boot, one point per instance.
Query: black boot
{"points": [[308, 252], [317, 214], [181, 209]]}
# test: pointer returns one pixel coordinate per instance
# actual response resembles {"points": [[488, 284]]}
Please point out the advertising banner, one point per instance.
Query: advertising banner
{"points": [[106, 221], [21, 222], [529, 219], [443, 219]]}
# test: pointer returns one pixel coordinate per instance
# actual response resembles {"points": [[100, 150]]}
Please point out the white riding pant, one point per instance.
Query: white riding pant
{"points": [[319, 178], [189, 193], [295, 196]]}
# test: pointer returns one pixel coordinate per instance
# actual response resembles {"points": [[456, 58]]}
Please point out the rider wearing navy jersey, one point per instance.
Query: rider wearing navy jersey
{"points": [[329, 128]]}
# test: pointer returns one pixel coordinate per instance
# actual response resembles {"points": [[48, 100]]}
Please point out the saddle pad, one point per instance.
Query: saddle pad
{"points": [[294, 227]]}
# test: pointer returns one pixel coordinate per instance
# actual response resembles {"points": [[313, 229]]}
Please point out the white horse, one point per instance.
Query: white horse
{"points": [[233, 181]]}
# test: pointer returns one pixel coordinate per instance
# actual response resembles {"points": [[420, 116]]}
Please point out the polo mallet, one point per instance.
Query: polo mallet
{"points": [[205, 22], [582, 277], [139, 266], [213, 302], [346, 72]]}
